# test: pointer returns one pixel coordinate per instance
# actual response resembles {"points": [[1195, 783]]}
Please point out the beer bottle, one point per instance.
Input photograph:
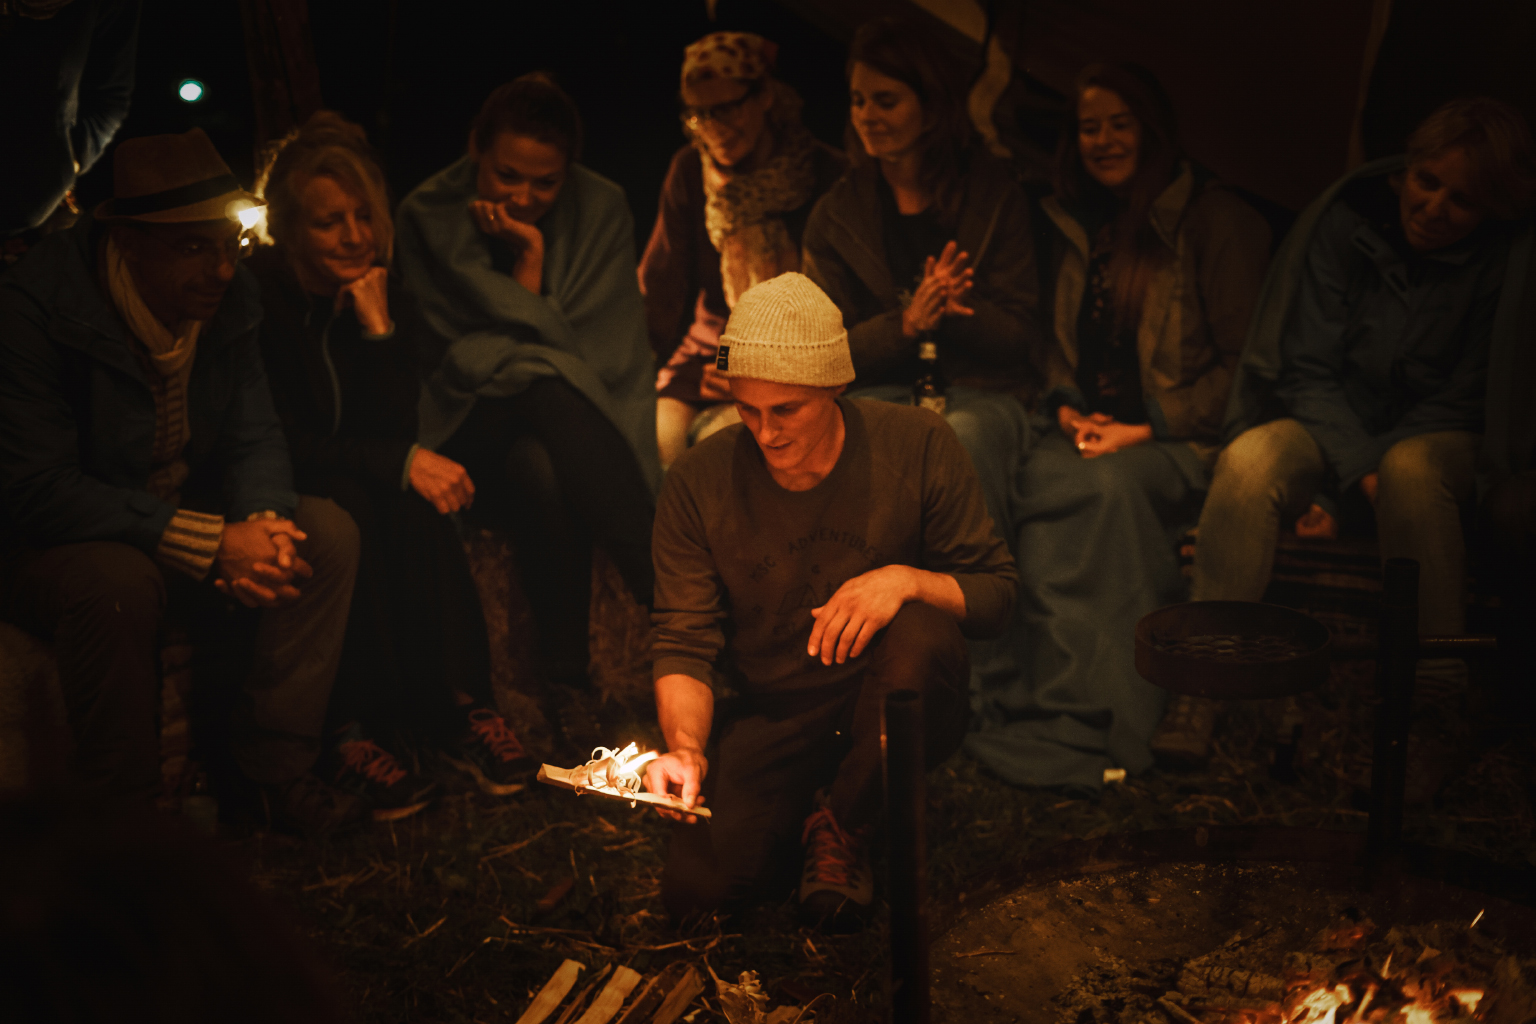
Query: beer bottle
{"points": [[928, 391]]}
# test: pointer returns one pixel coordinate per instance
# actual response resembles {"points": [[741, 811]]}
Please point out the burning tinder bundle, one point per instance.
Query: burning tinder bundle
{"points": [[1353, 972], [615, 774]]}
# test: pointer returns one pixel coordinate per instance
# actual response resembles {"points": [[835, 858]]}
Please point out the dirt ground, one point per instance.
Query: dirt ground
{"points": [[439, 918]]}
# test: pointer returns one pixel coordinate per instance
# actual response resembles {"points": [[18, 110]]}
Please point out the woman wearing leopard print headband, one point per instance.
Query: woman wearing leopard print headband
{"points": [[732, 211]]}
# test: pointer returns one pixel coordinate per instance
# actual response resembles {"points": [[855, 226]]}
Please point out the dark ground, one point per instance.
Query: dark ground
{"points": [[437, 918]]}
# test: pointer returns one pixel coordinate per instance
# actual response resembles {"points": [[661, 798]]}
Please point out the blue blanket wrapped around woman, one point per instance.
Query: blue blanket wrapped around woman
{"points": [[588, 326]]}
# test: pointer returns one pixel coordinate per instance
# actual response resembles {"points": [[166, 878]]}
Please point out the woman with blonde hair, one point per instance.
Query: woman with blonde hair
{"points": [[340, 340]]}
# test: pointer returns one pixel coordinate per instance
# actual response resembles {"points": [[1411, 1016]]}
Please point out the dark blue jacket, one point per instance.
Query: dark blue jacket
{"points": [[77, 418], [65, 83], [1382, 343]]}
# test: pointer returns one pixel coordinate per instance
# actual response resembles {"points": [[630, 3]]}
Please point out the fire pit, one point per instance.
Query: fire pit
{"points": [[1255, 926], [1220, 926]]}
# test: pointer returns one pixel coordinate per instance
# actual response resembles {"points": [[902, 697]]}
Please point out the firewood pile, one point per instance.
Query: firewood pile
{"points": [[619, 995], [1352, 972]]}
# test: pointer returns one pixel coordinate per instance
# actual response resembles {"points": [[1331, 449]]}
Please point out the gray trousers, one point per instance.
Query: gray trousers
{"points": [[103, 605], [1267, 477]]}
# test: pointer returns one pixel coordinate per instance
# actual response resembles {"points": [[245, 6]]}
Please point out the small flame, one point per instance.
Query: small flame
{"points": [[622, 772], [1320, 1006], [1468, 997], [1358, 1017], [1476, 919]]}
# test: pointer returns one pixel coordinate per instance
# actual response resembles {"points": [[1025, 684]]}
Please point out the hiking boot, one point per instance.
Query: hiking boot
{"points": [[837, 887], [388, 789], [1183, 737], [308, 805], [491, 753]]}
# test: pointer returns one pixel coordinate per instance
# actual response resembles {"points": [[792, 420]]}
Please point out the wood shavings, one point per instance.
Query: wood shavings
{"points": [[615, 774]]}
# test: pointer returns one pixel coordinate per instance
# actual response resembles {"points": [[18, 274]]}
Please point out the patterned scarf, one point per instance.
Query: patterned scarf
{"points": [[742, 211], [170, 357]]}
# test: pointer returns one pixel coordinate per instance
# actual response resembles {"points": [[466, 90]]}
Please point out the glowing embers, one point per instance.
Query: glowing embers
{"points": [[1439, 973], [1320, 1006]]}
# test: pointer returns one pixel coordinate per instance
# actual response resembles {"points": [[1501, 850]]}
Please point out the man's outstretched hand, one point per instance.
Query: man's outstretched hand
{"points": [[681, 774], [866, 604], [258, 564], [862, 607]]}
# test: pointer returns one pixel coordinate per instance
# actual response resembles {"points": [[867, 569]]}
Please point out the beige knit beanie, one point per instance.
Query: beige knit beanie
{"points": [[786, 330]]}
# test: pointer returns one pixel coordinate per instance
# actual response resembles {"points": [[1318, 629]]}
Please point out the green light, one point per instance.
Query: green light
{"points": [[190, 90]]}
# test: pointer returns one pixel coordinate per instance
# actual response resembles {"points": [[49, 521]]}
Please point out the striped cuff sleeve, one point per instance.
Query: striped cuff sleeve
{"points": [[405, 474], [190, 542]]}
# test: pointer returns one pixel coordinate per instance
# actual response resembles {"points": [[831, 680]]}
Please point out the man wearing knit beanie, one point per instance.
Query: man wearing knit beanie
{"points": [[809, 561]]}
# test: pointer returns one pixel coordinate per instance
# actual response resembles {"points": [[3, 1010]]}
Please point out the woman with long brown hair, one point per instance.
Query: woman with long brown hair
{"points": [[1157, 268], [925, 245], [926, 248]]}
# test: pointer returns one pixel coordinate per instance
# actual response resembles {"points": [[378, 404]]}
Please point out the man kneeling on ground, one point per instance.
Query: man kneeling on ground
{"points": [[142, 466], [808, 562]]}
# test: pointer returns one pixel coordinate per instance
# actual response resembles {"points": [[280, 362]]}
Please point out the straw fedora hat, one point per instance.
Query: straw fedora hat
{"points": [[173, 179]]}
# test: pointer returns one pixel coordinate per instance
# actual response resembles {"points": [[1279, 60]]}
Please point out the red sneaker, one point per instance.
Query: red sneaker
{"points": [[385, 786], [837, 887], [491, 753]]}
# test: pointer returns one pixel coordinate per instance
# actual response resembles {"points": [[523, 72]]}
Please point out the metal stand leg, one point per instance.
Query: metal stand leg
{"points": [[906, 799], [1396, 661]]}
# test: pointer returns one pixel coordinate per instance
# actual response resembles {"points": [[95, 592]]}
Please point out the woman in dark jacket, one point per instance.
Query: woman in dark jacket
{"points": [[1156, 271], [341, 346], [732, 213], [927, 239]]}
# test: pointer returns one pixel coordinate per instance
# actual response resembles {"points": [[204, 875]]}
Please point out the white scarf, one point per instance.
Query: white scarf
{"points": [[170, 354]]}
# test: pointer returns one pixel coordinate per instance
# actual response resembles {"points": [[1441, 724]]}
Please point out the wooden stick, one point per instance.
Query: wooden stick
{"points": [[678, 999], [1177, 1012], [549, 997], [580, 1000], [650, 997], [553, 775], [502, 851], [611, 997]]}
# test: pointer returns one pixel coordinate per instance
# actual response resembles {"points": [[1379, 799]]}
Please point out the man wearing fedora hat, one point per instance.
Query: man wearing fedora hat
{"points": [[142, 469], [809, 561]]}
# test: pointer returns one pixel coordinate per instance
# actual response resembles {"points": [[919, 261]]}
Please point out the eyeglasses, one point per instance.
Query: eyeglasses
{"points": [[210, 252], [697, 117]]}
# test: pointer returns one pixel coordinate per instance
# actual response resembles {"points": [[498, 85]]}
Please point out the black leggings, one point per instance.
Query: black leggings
{"points": [[416, 634], [556, 474]]}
